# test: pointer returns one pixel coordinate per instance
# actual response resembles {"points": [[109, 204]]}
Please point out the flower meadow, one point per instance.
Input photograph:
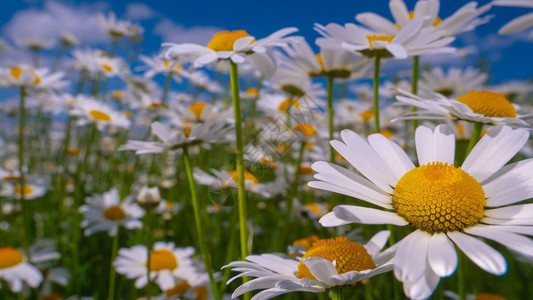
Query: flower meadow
{"points": [[254, 167]]}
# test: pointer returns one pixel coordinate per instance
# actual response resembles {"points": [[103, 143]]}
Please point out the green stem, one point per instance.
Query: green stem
{"points": [[166, 88], [376, 93], [461, 288], [241, 193], [199, 224], [148, 223], [474, 138], [416, 75], [112, 273], [337, 294], [293, 192], [59, 56], [26, 215], [331, 112]]}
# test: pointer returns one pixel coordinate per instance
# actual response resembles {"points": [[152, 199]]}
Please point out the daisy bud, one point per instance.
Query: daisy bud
{"points": [[148, 198]]}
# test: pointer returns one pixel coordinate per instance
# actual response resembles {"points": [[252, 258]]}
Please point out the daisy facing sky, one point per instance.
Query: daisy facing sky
{"points": [[445, 205]]}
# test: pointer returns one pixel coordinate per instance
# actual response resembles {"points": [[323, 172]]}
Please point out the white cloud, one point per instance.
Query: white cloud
{"points": [[139, 12], [176, 33], [55, 18]]}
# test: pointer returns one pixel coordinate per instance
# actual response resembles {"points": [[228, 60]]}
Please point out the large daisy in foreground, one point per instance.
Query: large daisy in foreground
{"points": [[327, 264], [444, 204]]}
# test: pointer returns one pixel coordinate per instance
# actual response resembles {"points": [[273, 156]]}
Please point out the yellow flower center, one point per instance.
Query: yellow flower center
{"points": [[200, 292], [306, 242], [314, 208], [489, 104], [412, 16], [11, 178], [117, 94], [15, 72], [224, 40], [52, 296], [438, 197], [379, 37], [166, 64], [386, 133], [247, 177], [10, 257], [346, 255], [73, 152], [178, 290], [162, 260], [115, 213], [197, 109], [25, 190], [488, 297], [320, 60], [306, 170], [108, 68], [252, 92], [288, 103], [99, 115], [366, 115], [186, 132], [306, 129]]}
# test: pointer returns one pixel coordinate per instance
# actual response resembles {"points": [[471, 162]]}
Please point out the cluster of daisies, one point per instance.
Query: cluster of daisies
{"points": [[212, 171]]}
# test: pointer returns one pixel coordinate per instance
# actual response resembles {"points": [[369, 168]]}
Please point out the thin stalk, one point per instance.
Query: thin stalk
{"points": [[416, 75], [112, 273], [337, 294], [22, 120], [166, 88], [330, 117], [148, 226], [241, 193], [294, 191], [376, 93], [199, 224], [474, 138], [461, 288], [60, 54]]}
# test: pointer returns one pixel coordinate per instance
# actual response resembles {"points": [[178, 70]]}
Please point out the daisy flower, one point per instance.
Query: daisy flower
{"points": [[484, 107], [29, 191], [26, 76], [518, 24], [224, 179], [98, 113], [198, 112], [15, 270], [209, 132], [329, 263], [464, 19], [169, 265], [444, 204], [229, 45], [411, 39], [114, 28], [68, 39], [157, 65], [35, 43], [106, 212], [453, 83]]}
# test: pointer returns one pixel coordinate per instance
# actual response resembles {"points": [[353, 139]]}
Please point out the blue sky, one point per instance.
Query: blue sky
{"points": [[196, 21]]}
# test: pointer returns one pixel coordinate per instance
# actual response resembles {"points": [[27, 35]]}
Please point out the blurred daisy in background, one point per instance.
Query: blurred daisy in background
{"points": [[106, 212], [16, 270], [454, 83]]}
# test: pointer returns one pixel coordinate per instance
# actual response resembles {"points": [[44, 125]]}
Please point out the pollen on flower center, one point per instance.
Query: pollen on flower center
{"points": [[15, 72], [288, 103], [114, 213], [224, 40], [99, 115], [346, 255], [108, 68], [320, 60], [379, 37], [162, 260], [25, 190], [438, 197], [436, 22], [489, 104], [10, 257], [197, 109], [179, 289], [366, 115], [247, 177]]}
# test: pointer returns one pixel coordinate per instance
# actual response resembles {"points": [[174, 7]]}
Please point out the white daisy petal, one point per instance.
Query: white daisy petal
{"points": [[365, 215], [511, 184], [411, 259], [480, 253], [423, 287], [377, 242], [513, 241], [321, 268], [441, 255], [493, 150]]}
